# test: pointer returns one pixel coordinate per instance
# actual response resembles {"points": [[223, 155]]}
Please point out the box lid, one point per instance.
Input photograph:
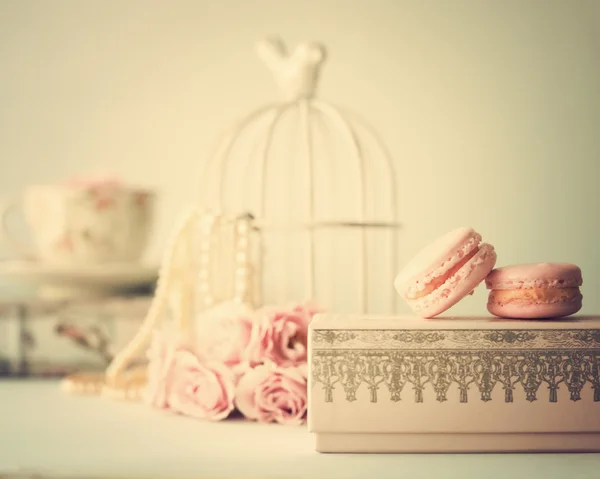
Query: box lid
{"points": [[480, 375]]}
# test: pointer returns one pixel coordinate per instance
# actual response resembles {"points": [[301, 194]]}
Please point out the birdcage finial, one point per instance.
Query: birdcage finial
{"points": [[296, 73]]}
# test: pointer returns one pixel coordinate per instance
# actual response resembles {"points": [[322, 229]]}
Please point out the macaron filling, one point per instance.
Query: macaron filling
{"points": [[436, 282], [483, 254], [535, 296]]}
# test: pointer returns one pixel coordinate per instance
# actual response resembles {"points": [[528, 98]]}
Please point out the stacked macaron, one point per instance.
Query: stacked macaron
{"points": [[451, 267], [542, 290], [445, 271]]}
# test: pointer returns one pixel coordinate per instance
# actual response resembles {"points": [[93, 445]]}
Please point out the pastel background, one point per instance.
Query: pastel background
{"points": [[491, 109]]}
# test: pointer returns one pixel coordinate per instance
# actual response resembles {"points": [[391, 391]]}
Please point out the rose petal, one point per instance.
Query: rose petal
{"points": [[224, 335], [269, 393], [204, 391], [245, 396]]}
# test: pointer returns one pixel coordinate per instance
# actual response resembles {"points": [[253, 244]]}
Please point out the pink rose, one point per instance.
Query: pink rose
{"points": [[200, 390], [269, 393], [224, 339], [281, 336], [160, 362]]}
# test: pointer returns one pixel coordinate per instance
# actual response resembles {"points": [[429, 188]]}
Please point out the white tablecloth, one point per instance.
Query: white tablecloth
{"points": [[42, 428]]}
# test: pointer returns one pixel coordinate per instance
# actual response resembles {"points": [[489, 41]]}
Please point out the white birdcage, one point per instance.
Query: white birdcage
{"points": [[298, 202]]}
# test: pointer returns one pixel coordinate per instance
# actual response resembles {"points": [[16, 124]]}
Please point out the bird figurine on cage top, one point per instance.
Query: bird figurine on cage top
{"points": [[297, 203]]}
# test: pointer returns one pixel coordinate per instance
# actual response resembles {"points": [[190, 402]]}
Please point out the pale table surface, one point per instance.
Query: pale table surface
{"points": [[43, 429]]}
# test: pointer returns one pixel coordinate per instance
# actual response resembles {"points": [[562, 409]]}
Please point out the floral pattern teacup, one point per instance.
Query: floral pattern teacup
{"points": [[85, 222]]}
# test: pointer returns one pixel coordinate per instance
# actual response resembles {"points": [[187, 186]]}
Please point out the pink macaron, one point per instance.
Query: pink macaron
{"points": [[445, 271], [535, 291]]}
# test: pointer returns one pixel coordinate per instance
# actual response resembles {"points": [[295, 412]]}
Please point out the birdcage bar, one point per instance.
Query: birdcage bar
{"points": [[395, 224], [354, 143], [206, 248], [223, 146], [264, 157], [225, 156], [305, 111], [266, 225], [263, 168], [186, 281]]}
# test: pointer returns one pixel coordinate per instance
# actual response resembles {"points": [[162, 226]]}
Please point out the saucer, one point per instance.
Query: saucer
{"points": [[54, 281]]}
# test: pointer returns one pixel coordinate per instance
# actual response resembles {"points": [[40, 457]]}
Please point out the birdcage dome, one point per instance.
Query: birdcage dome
{"points": [[318, 183]]}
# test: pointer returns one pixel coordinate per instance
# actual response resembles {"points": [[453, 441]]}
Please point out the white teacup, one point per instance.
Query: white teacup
{"points": [[82, 223]]}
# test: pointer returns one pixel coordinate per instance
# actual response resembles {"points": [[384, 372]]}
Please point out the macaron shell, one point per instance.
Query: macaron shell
{"points": [[436, 259], [458, 286], [535, 311], [535, 275]]}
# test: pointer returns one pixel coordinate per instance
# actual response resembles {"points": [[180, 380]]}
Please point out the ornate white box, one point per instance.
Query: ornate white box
{"points": [[402, 384]]}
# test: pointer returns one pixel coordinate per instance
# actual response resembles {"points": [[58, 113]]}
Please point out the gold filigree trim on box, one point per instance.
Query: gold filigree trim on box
{"points": [[432, 373], [456, 339], [418, 337], [330, 337], [509, 336], [587, 336]]}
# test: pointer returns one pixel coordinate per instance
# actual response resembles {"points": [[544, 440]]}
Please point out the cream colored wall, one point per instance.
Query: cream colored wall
{"points": [[491, 108]]}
